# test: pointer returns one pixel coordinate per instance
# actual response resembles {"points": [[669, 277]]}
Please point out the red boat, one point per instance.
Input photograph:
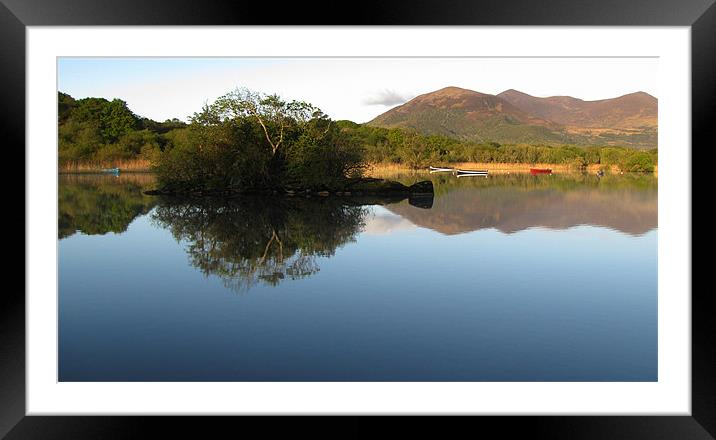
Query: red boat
{"points": [[540, 171]]}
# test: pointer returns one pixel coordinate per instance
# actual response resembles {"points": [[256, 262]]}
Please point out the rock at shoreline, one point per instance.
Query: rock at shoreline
{"points": [[424, 187]]}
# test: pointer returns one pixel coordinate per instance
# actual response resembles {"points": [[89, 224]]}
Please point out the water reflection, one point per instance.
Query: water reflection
{"points": [[402, 303], [511, 203], [97, 204], [254, 240]]}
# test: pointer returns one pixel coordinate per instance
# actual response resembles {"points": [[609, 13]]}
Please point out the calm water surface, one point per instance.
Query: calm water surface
{"points": [[505, 278]]}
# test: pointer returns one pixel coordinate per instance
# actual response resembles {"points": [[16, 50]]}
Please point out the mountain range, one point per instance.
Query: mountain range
{"points": [[516, 117]]}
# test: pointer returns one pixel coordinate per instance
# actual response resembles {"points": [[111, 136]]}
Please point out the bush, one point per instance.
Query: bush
{"points": [[216, 156], [322, 156], [638, 161]]}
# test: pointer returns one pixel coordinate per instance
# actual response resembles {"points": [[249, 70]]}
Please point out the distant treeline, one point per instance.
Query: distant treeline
{"points": [[98, 130], [398, 146], [250, 139]]}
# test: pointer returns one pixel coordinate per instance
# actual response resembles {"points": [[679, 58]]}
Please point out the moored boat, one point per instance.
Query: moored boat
{"points": [[439, 169], [111, 170], [540, 171], [471, 172]]}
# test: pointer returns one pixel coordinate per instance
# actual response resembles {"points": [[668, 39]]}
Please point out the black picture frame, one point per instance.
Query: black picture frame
{"points": [[16, 15]]}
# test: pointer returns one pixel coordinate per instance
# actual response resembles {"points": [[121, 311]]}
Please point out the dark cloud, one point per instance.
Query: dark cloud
{"points": [[386, 97]]}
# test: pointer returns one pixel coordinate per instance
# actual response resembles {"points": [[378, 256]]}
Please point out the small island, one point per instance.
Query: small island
{"points": [[250, 143]]}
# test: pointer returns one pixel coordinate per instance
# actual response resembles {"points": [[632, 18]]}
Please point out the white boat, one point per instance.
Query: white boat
{"points": [[440, 170], [471, 175], [471, 172]]}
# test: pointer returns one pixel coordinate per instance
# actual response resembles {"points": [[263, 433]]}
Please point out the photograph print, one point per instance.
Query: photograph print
{"points": [[357, 219]]}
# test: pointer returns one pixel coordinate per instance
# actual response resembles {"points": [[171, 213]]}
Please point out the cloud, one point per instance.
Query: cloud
{"points": [[382, 223], [386, 97]]}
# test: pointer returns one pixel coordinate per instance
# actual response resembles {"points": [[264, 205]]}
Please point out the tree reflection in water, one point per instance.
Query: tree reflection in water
{"points": [[254, 240], [96, 204]]}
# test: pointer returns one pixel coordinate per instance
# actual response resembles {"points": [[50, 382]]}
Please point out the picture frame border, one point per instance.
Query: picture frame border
{"points": [[16, 15]]}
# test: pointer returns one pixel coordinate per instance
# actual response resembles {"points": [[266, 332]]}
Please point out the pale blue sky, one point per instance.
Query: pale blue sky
{"points": [[345, 88]]}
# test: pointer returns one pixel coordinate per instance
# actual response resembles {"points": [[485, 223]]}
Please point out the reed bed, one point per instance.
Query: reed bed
{"points": [[133, 165]]}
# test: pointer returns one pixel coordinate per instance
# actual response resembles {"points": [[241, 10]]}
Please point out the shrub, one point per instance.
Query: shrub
{"points": [[638, 161]]}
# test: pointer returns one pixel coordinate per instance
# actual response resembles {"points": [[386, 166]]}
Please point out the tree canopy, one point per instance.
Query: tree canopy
{"points": [[247, 139], [96, 129]]}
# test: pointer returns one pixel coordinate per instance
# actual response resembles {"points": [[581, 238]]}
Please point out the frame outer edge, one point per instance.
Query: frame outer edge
{"points": [[703, 102], [12, 302], [12, 299], [369, 12]]}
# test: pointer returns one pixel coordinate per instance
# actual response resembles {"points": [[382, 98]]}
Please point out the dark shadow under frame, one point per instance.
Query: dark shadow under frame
{"points": [[15, 15]]}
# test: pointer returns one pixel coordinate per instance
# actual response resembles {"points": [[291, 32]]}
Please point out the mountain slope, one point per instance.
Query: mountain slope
{"points": [[469, 115], [629, 111], [516, 117]]}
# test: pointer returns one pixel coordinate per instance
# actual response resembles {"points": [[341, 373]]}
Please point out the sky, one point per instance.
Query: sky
{"points": [[357, 89]]}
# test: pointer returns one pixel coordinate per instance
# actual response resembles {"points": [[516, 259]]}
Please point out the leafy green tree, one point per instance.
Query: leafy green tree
{"points": [[246, 140], [414, 152], [65, 104], [275, 115], [116, 120], [322, 156], [638, 161]]}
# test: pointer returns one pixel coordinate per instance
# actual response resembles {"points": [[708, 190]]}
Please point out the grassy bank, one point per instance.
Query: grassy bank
{"points": [[133, 165]]}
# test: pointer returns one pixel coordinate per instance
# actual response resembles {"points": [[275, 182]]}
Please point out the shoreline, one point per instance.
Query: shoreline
{"points": [[382, 169], [373, 169], [364, 186]]}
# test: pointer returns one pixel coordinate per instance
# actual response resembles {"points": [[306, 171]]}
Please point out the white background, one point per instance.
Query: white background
{"points": [[670, 395]]}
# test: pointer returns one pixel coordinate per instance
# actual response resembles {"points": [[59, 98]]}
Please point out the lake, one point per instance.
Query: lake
{"points": [[500, 278]]}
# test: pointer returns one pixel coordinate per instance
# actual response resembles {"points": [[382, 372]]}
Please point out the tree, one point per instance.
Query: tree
{"points": [[65, 104], [116, 120], [275, 115], [98, 130], [638, 161], [322, 155], [413, 151]]}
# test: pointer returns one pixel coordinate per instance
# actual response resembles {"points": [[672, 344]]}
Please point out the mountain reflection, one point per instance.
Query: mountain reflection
{"points": [[253, 240], [511, 203], [97, 204]]}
